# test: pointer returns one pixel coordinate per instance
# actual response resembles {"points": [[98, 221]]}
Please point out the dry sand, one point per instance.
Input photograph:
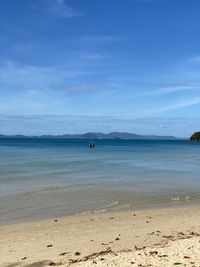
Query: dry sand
{"points": [[159, 238]]}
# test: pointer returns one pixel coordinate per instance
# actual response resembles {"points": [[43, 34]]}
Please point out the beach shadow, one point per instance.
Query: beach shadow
{"points": [[35, 264], [12, 264]]}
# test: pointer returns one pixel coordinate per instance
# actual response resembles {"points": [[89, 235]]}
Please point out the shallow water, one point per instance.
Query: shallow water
{"points": [[43, 178]]}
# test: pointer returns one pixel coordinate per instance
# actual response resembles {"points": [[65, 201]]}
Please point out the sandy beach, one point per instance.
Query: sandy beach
{"points": [[162, 237]]}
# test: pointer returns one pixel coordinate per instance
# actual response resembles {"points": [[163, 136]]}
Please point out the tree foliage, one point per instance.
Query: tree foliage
{"points": [[195, 137]]}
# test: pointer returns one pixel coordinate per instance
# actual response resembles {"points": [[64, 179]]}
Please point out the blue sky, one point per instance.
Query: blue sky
{"points": [[100, 65]]}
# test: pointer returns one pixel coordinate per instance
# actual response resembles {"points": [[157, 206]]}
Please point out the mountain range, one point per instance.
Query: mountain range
{"points": [[98, 135]]}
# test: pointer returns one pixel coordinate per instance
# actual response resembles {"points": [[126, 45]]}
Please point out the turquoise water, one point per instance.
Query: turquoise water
{"points": [[43, 178]]}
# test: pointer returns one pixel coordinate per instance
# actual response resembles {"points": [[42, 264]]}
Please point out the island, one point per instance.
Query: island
{"points": [[195, 137], [98, 135]]}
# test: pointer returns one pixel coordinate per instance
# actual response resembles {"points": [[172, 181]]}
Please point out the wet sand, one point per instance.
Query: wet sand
{"points": [[162, 237]]}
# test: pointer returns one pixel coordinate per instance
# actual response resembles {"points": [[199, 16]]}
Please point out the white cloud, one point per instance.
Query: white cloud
{"points": [[179, 104], [60, 2], [162, 126], [174, 88], [92, 56], [144, 1], [62, 124], [100, 38], [195, 59], [61, 9], [23, 76]]}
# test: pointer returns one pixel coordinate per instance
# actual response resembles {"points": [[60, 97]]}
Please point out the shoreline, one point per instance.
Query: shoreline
{"points": [[178, 201], [173, 204], [71, 240]]}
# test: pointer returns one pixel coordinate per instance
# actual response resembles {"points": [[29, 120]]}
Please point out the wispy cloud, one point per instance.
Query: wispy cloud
{"points": [[60, 9], [99, 38], [23, 76], [62, 124], [79, 89], [195, 59], [169, 89], [144, 1], [77, 76], [178, 88], [92, 56], [177, 105]]}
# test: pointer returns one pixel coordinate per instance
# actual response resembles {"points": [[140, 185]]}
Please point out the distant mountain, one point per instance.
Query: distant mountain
{"points": [[92, 136]]}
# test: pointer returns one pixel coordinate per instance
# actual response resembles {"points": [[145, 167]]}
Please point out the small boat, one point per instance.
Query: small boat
{"points": [[91, 145]]}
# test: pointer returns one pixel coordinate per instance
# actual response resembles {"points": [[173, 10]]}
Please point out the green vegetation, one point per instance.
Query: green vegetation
{"points": [[195, 137]]}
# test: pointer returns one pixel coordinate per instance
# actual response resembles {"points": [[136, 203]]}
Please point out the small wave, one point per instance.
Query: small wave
{"points": [[186, 198], [106, 207], [112, 205], [175, 198]]}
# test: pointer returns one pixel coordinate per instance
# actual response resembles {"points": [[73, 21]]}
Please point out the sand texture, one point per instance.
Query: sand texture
{"points": [[162, 237]]}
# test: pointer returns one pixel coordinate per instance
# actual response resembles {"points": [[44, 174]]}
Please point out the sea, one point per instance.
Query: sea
{"points": [[49, 177]]}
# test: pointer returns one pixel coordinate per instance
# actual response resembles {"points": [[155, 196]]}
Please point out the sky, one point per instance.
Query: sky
{"points": [[73, 66]]}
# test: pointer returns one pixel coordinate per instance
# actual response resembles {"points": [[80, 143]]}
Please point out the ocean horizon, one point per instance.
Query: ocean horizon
{"points": [[46, 178]]}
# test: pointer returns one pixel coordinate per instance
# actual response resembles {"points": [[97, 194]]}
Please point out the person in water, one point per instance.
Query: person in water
{"points": [[91, 145]]}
